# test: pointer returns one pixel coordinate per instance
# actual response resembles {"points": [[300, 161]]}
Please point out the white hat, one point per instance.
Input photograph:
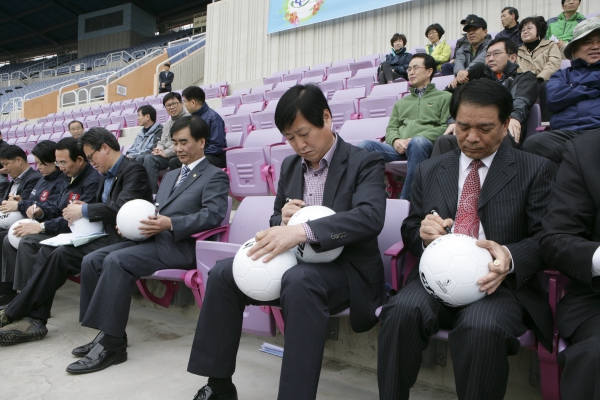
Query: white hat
{"points": [[582, 29]]}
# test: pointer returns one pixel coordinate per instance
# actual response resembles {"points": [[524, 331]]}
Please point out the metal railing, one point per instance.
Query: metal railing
{"points": [[134, 65], [185, 52], [82, 96], [16, 103], [112, 57], [19, 75], [186, 40], [4, 77], [49, 89]]}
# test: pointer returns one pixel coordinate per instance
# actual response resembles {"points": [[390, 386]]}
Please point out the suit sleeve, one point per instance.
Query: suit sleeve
{"points": [[276, 218], [57, 224], [526, 94], [566, 243], [169, 78], [411, 225]]}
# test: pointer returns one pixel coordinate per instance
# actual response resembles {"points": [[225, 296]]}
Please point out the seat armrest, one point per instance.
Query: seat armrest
{"points": [[211, 232], [395, 249]]}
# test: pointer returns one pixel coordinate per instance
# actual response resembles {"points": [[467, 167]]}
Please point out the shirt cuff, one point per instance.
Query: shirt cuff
{"points": [[310, 235], [512, 262], [596, 263], [84, 211]]}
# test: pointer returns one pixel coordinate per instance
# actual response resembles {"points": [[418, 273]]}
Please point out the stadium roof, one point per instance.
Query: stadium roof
{"points": [[28, 24]]}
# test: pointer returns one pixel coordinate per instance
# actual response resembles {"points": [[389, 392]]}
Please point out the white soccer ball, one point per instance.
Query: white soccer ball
{"points": [[14, 240], [83, 227], [130, 215], [259, 280], [9, 218], [450, 267], [304, 251]]}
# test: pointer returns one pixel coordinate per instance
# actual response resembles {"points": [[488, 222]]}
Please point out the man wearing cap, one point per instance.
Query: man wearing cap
{"points": [[573, 94]]}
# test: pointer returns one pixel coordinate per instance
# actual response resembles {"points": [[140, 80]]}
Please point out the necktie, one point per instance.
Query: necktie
{"points": [[467, 219], [185, 170]]}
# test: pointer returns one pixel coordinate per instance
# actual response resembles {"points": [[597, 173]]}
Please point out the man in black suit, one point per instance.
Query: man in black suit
{"points": [[509, 190], [165, 78], [24, 178], [24, 320], [570, 244], [326, 171], [192, 200], [3, 173]]}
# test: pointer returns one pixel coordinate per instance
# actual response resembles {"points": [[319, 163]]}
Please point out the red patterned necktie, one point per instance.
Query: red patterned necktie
{"points": [[467, 219]]}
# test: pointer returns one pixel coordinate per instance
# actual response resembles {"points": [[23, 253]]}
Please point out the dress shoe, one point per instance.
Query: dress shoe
{"points": [[3, 318], [86, 348], [206, 393], [98, 359], [6, 298], [22, 330]]}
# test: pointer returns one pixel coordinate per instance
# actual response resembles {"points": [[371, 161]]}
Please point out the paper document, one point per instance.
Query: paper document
{"points": [[72, 239], [271, 349]]}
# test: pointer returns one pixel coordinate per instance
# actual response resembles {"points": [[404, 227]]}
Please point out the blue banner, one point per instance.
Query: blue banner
{"points": [[288, 14]]}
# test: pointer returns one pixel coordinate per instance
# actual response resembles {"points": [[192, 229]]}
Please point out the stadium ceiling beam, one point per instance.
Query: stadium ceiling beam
{"points": [[67, 7], [26, 13], [33, 30], [41, 33], [188, 5]]}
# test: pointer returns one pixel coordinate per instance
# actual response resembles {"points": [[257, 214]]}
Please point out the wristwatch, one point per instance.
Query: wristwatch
{"points": [[42, 227]]}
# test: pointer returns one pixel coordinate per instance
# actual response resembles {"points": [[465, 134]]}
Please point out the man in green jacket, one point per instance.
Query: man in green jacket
{"points": [[416, 121], [561, 27]]}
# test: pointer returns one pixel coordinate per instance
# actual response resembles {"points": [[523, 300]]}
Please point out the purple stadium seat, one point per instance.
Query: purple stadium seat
{"points": [[140, 103], [162, 116], [31, 161], [344, 106], [225, 111], [320, 66], [334, 82], [376, 107], [11, 140], [278, 154], [48, 127], [118, 119], [311, 79], [279, 90], [118, 108], [394, 89], [104, 119], [371, 57], [130, 107], [86, 112], [275, 78], [356, 130], [106, 108], [223, 87], [21, 142], [235, 98], [44, 136], [316, 72], [534, 120], [337, 69], [441, 82], [29, 130], [129, 101], [363, 78], [212, 93], [30, 143], [56, 136], [12, 131], [115, 129], [265, 119], [257, 94], [131, 119], [565, 64], [296, 74], [20, 131], [153, 102], [77, 114], [346, 61], [239, 125], [97, 109]]}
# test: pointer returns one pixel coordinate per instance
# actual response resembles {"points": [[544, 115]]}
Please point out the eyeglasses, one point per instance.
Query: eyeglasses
{"points": [[91, 156], [60, 164], [495, 54], [414, 68], [172, 105]]}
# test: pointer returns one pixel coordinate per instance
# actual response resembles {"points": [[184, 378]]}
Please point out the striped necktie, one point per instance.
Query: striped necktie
{"points": [[185, 170]]}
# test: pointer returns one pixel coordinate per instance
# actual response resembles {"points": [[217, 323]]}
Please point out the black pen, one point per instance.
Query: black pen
{"points": [[287, 200], [155, 211], [448, 230]]}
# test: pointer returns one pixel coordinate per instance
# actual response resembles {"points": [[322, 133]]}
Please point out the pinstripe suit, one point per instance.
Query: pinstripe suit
{"points": [[512, 203]]}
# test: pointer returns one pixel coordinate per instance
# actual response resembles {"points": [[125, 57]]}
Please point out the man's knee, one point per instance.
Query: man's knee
{"points": [[367, 145], [222, 272], [300, 279], [406, 306], [532, 143], [420, 142]]}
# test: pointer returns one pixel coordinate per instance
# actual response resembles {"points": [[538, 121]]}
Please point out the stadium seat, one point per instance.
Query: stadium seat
{"points": [[371, 57], [30, 143], [162, 116], [356, 130], [118, 108], [395, 89], [20, 131], [376, 107], [104, 119], [77, 114], [238, 126], [130, 119], [223, 87], [278, 154], [96, 110], [236, 97], [115, 129], [153, 102], [31, 161], [106, 108], [334, 82], [363, 78], [265, 119], [346, 61], [29, 130], [225, 111], [534, 120], [212, 92], [279, 90], [441, 82], [56, 136], [257, 94], [275, 77], [117, 118], [344, 106], [356, 66], [315, 72], [337, 69], [565, 64], [48, 127], [296, 74], [311, 79]]}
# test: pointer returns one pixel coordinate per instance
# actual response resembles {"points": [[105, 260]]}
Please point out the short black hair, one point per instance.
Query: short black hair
{"points": [[12, 152], [509, 45], [166, 65], [484, 93], [76, 121], [562, 2], [541, 26], [170, 96], [398, 36], [198, 127], [96, 136], [45, 151], [148, 110], [308, 100], [513, 11], [194, 93], [428, 61], [70, 143], [435, 27]]}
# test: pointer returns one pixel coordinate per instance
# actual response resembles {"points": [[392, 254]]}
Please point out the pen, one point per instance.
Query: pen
{"points": [[34, 207], [448, 230], [287, 200], [155, 210]]}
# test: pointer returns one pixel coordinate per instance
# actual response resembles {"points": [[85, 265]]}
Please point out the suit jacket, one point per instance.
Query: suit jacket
{"points": [[199, 203], [131, 182], [354, 189], [166, 78], [28, 182], [572, 229], [512, 203]]}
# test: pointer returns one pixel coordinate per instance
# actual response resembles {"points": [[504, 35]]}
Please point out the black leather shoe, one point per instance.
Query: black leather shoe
{"points": [[206, 393], [86, 348], [6, 298], [98, 359]]}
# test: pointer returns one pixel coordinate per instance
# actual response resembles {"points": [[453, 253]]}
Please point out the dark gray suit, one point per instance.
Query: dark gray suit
{"points": [[108, 275], [512, 203]]}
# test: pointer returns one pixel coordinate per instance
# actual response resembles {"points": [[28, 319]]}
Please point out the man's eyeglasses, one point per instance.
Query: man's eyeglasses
{"points": [[495, 54], [90, 158], [172, 104], [60, 164], [414, 68]]}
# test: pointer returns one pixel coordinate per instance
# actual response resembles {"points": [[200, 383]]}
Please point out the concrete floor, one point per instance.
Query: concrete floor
{"points": [[159, 346]]}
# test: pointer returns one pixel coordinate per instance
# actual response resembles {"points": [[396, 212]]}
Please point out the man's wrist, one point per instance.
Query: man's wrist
{"points": [[42, 227]]}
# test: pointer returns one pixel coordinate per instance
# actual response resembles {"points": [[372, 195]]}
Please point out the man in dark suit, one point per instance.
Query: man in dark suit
{"points": [[497, 195], [165, 78], [192, 200], [326, 171], [570, 244], [24, 320], [3, 173], [24, 178]]}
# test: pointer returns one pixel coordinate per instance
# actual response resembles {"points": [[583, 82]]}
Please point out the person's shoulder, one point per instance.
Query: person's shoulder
{"points": [[129, 166], [553, 19], [215, 171], [533, 161]]}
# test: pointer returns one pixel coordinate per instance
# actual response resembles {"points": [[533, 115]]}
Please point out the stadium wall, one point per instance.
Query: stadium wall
{"points": [[43, 105], [139, 82], [238, 48]]}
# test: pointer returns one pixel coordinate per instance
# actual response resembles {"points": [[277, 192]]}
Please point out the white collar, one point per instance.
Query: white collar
{"points": [[465, 162], [193, 165]]}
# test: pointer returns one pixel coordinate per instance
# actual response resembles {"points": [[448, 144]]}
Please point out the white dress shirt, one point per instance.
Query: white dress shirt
{"points": [[191, 167], [596, 263]]}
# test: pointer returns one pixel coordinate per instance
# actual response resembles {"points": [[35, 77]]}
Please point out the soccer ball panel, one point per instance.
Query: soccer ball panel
{"points": [[463, 269]]}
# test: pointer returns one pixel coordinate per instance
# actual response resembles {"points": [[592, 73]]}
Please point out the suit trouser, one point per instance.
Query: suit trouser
{"points": [[550, 144], [484, 333], [17, 264], [153, 165], [107, 279], [52, 266], [310, 293]]}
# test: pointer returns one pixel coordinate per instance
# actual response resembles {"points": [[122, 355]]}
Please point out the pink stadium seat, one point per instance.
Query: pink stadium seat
{"points": [[106, 108], [118, 119], [115, 129], [118, 107], [12, 131], [131, 119], [296, 77], [104, 119], [316, 72], [30, 143], [20, 131], [225, 111], [257, 94], [441, 82], [212, 93], [223, 86], [141, 103], [394, 89], [278, 154], [311, 79], [344, 106], [239, 125], [320, 66], [363, 78], [11, 140], [29, 130], [275, 77], [376, 107], [44, 136], [162, 116], [299, 70], [77, 114], [21, 142], [334, 82], [48, 127], [265, 119], [37, 129], [279, 90], [357, 130], [50, 117], [153, 102], [87, 112], [56, 136], [346, 61], [337, 70], [96, 110], [235, 98], [371, 57]]}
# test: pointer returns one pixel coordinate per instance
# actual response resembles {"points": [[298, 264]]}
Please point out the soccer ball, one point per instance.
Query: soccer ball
{"points": [[259, 280], [83, 227], [130, 215], [450, 267], [7, 219], [14, 240], [304, 251]]}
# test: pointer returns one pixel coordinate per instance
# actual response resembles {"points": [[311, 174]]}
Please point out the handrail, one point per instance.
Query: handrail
{"points": [[48, 87], [178, 42], [112, 57], [147, 56], [2, 77], [178, 54], [17, 104]]}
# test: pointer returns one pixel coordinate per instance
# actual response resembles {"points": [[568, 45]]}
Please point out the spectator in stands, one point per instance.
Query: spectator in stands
{"points": [[510, 22], [310, 292], [469, 188], [108, 275], [146, 139], [76, 128], [416, 121], [3, 174], [81, 185], [396, 61], [24, 319], [165, 78], [561, 28], [500, 67], [573, 94], [163, 152], [538, 55], [214, 151], [448, 68], [438, 49], [570, 244], [470, 58], [24, 178]]}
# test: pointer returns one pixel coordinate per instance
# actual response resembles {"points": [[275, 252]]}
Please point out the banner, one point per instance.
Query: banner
{"points": [[288, 14]]}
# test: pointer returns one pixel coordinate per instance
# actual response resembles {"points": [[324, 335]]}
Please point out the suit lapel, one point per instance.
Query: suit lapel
{"points": [[448, 180], [337, 168], [192, 176], [500, 173], [117, 176]]}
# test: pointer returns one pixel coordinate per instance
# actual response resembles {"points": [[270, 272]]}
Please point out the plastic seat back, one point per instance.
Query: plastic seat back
{"points": [[356, 130], [376, 107], [441, 82], [257, 94], [394, 89]]}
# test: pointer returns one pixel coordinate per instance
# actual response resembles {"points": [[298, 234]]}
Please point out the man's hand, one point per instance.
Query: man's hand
{"points": [[276, 240], [152, 226], [450, 129], [514, 128], [162, 85], [453, 84], [159, 152], [73, 211], [432, 227], [290, 208], [9, 206], [462, 76], [400, 145], [491, 281], [561, 44], [38, 212], [27, 228]]}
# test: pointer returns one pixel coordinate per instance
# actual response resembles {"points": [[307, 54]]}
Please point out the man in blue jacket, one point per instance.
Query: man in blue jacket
{"points": [[573, 94], [146, 139]]}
